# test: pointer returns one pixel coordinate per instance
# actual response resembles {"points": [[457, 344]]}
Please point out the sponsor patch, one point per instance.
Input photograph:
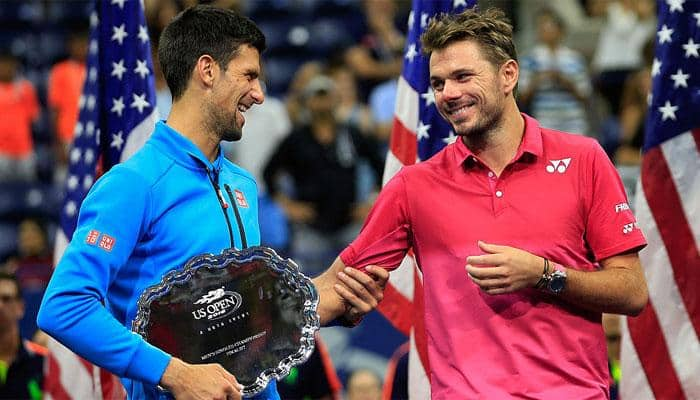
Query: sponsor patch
{"points": [[240, 198], [92, 236], [106, 242]]}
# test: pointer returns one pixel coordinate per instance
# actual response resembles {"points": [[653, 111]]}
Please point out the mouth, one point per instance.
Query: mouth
{"points": [[242, 108], [459, 111]]}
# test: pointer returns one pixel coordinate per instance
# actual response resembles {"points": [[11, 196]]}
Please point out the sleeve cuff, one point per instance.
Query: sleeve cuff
{"points": [[148, 364]]}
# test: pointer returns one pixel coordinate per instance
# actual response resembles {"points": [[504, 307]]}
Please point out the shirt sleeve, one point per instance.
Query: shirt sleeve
{"points": [[611, 227], [112, 218], [385, 237]]}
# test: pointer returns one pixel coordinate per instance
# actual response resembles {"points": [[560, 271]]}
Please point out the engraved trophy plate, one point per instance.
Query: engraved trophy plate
{"points": [[250, 311]]}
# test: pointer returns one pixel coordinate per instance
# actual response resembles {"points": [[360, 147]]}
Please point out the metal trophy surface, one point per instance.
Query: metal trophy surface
{"points": [[249, 310]]}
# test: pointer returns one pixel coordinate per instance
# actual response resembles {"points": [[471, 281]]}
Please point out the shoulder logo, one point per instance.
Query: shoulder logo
{"points": [[558, 165], [217, 304], [240, 199]]}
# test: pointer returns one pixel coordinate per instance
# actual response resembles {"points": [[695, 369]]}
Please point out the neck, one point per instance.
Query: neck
{"points": [[9, 341], [187, 117], [498, 147]]}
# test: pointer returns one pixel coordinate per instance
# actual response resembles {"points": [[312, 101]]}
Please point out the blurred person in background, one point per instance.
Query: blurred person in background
{"points": [[379, 55], [64, 88], [611, 326], [633, 111], [21, 361], [294, 100], [554, 84], [628, 26], [364, 384], [19, 110], [320, 160], [350, 110], [32, 265]]}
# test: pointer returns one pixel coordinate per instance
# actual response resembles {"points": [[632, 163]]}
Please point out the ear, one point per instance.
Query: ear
{"points": [[509, 72], [205, 70]]}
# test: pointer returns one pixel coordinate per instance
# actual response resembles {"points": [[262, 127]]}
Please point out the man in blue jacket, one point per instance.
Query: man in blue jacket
{"points": [[175, 198]]}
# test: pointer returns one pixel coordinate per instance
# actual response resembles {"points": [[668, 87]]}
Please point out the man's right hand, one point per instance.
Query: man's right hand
{"points": [[200, 381]]}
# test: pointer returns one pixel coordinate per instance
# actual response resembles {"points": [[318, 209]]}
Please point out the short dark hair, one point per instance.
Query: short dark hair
{"points": [[200, 30], [491, 30], [6, 276]]}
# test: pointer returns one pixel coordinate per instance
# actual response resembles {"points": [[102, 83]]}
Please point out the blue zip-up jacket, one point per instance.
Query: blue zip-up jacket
{"points": [[143, 218]]}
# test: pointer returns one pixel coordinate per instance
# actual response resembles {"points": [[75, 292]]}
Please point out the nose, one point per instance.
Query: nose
{"points": [[450, 90], [257, 92]]}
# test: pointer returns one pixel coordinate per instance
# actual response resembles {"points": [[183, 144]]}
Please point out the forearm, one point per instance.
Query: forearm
{"points": [[611, 290], [331, 305]]}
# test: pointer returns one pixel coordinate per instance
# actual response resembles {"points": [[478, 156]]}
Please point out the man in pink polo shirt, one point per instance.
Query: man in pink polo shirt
{"points": [[523, 234]]}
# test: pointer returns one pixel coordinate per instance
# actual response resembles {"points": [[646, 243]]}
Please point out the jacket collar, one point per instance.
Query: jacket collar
{"points": [[181, 149]]}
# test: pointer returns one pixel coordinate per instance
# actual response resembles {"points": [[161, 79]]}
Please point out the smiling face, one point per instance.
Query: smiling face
{"points": [[468, 89], [234, 91]]}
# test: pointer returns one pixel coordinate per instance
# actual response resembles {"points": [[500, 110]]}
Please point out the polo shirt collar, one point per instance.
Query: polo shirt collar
{"points": [[531, 143]]}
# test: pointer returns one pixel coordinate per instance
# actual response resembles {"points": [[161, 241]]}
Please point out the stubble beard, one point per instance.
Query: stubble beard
{"points": [[479, 136], [223, 126]]}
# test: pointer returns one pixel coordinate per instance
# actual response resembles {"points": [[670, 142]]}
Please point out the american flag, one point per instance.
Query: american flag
{"points": [[660, 348], [418, 132], [117, 115]]}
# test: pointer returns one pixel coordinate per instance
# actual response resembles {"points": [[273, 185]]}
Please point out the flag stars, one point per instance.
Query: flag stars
{"points": [[91, 102], [655, 67], [143, 34], [141, 68], [81, 101], [90, 128], [118, 106], [87, 182], [668, 111], [429, 97], [680, 79], [451, 138], [459, 3], [74, 156], [78, 129], [94, 19], [691, 49], [118, 69], [120, 3], [70, 208], [422, 131], [117, 140], [411, 53], [697, 18], [139, 102], [94, 47], [411, 19], [423, 20], [92, 74], [89, 156], [675, 5], [72, 182], [119, 33], [664, 34]]}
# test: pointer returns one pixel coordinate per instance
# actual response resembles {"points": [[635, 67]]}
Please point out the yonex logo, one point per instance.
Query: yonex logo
{"points": [[558, 165], [627, 228]]}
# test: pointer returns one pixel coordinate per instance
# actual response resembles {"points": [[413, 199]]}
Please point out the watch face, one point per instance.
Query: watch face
{"points": [[557, 282]]}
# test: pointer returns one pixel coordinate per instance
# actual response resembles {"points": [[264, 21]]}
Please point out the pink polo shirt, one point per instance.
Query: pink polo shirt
{"points": [[560, 198]]}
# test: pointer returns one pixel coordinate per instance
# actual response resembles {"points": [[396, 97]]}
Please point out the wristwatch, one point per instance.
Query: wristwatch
{"points": [[556, 281]]}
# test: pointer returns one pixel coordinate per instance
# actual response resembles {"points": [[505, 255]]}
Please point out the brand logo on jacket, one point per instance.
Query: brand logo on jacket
{"points": [[558, 165], [240, 198], [217, 304]]}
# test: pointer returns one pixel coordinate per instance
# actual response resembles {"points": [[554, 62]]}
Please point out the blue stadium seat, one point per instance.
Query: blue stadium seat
{"points": [[8, 239], [279, 72]]}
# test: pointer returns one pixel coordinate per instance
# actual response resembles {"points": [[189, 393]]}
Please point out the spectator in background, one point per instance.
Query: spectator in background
{"points": [[64, 89], [379, 55], [19, 109], [32, 265], [294, 101], [554, 83], [611, 326], [629, 24], [21, 361], [314, 379], [364, 384], [351, 110], [321, 158], [633, 110]]}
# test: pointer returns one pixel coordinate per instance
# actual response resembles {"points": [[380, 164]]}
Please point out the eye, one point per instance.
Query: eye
{"points": [[437, 85], [463, 77]]}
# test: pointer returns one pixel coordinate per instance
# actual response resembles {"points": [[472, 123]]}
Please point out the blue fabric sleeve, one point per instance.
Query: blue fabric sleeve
{"points": [[73, 309]]}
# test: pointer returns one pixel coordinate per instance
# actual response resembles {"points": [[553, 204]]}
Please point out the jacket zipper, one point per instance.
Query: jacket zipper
{"points": [[224, 206], [244, 242]]}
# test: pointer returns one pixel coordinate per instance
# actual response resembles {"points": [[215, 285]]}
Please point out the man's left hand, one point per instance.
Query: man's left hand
{"points": [[504, 269], [362, 292]]}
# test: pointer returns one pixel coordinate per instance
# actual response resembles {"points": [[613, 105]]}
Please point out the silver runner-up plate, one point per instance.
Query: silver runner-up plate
{"points": [[249, 310]]}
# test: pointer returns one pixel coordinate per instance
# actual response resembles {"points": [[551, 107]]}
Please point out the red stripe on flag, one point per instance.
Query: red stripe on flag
{"points": [[394, 307], [665, 205], [653, 354], [419, 322], [52, 379], [403, 143], [696, 136]]}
